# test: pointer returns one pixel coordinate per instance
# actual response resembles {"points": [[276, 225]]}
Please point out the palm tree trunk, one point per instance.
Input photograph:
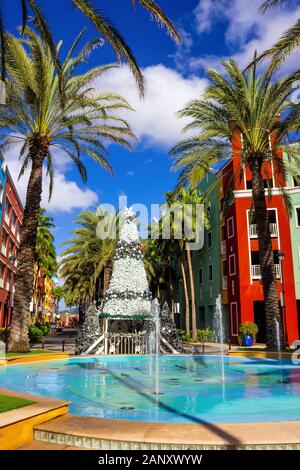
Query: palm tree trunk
{"points": [[171, 287], [106, 276], [158, 291], [18, 338], [186, 298], [192, 286], [266, 256]]}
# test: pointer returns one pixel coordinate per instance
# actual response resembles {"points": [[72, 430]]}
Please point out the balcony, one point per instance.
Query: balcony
{"points": [[253, 230], [3, 249], [223, 247], [1, 282], [224, 282], [256, 274]]}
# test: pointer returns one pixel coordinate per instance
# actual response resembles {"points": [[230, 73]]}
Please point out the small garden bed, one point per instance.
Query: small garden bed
{"points": [[12, 403]]}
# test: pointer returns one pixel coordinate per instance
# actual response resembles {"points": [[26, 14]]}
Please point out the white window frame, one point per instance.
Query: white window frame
{"points": [[296, 216], [229, 265], [231, 220]]}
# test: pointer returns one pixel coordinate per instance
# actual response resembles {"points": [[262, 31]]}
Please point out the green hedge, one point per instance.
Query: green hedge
{"points": [[208, 336]]}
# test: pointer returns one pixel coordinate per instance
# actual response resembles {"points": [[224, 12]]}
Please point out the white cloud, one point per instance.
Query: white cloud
{"points": [[130, 173], [154, 120], [247, 30], [67, 195]]}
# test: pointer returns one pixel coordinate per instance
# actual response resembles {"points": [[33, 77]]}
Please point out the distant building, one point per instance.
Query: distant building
{"points": [[11, 217], [42, 301]]}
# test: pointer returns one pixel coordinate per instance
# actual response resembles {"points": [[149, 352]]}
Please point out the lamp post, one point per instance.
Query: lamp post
{"points": [[282, 300]]}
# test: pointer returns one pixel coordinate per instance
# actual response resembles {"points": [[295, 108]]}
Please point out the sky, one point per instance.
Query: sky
{"points": [[211, 31]]}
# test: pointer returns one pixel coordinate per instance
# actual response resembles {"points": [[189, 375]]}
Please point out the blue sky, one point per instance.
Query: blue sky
{"points": [[211, 30]]}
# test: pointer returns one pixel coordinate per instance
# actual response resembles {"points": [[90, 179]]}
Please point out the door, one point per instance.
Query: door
{"points": [[260, 320]]}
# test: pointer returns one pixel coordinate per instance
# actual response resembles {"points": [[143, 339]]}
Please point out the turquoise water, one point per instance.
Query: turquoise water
{"points": [[190, 388]]}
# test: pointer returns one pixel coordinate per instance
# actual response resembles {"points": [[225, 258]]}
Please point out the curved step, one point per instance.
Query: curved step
{"points": [[105, 434]]}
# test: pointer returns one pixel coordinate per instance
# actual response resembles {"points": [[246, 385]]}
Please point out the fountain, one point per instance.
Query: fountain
{"points": [[219, 332], [154, 345], [278, 340]]}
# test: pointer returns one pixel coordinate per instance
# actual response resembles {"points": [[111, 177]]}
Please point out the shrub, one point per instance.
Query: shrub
{"points": [[207, 336], [184, 335], [248, 329], [44, 326], [35, 334]]}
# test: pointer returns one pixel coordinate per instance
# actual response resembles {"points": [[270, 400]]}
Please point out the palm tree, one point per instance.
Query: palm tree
{"points": [[39, 122], [58, 294], [289, 41], [191, 198], [45, 263], [102, 24], [241, 104], [87, 261], [45, 253]]}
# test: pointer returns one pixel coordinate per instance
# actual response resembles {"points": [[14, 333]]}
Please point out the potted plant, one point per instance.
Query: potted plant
{"points": [[248, 332]]}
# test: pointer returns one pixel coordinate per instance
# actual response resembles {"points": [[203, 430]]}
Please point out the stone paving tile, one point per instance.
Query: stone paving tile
{"points": [[174, 433]]}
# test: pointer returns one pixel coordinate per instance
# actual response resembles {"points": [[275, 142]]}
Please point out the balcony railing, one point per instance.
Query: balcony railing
{"points": [[253, 230], [223, 247], [256, 272], [224, 282]]}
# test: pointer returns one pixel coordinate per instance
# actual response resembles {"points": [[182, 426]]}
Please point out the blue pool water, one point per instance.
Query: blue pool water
{"points": [[190, 388]]}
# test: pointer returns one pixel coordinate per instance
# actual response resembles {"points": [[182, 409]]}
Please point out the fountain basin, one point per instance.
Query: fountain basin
{"points": [[121, 387]]}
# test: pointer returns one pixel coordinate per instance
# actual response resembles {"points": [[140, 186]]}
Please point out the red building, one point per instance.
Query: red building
{"points": [[244, 285], [12, 216]]}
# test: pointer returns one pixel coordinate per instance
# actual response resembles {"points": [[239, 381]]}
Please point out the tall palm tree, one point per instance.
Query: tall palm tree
{"points": [[88, 258], [100, 21], [58, 294], [184, 198], [45, 253], [244, 104], [36, 119], [45, 263]]}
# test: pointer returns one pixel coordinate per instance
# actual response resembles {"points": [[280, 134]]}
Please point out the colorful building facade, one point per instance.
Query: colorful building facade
{"points": [[41, 306], [229, 260], [11, 219]]}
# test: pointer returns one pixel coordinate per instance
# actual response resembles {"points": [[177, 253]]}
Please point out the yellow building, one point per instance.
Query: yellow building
{"points": [[48, 298], [42, 299]]}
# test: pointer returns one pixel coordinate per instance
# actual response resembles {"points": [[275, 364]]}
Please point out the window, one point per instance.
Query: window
{"points": [[230, 228], [1, 274], [224, 268], [234, 319], [209, 240], [200, 276], [223, 233], [268, 183], [221, 202], [210, 273], [296, 180], [4, 243], [297, 216], [232, 267]]}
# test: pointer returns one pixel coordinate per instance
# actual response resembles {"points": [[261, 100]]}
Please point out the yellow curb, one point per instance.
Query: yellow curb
{"points": [[17, 426], [259, 354], [33, 358]]}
